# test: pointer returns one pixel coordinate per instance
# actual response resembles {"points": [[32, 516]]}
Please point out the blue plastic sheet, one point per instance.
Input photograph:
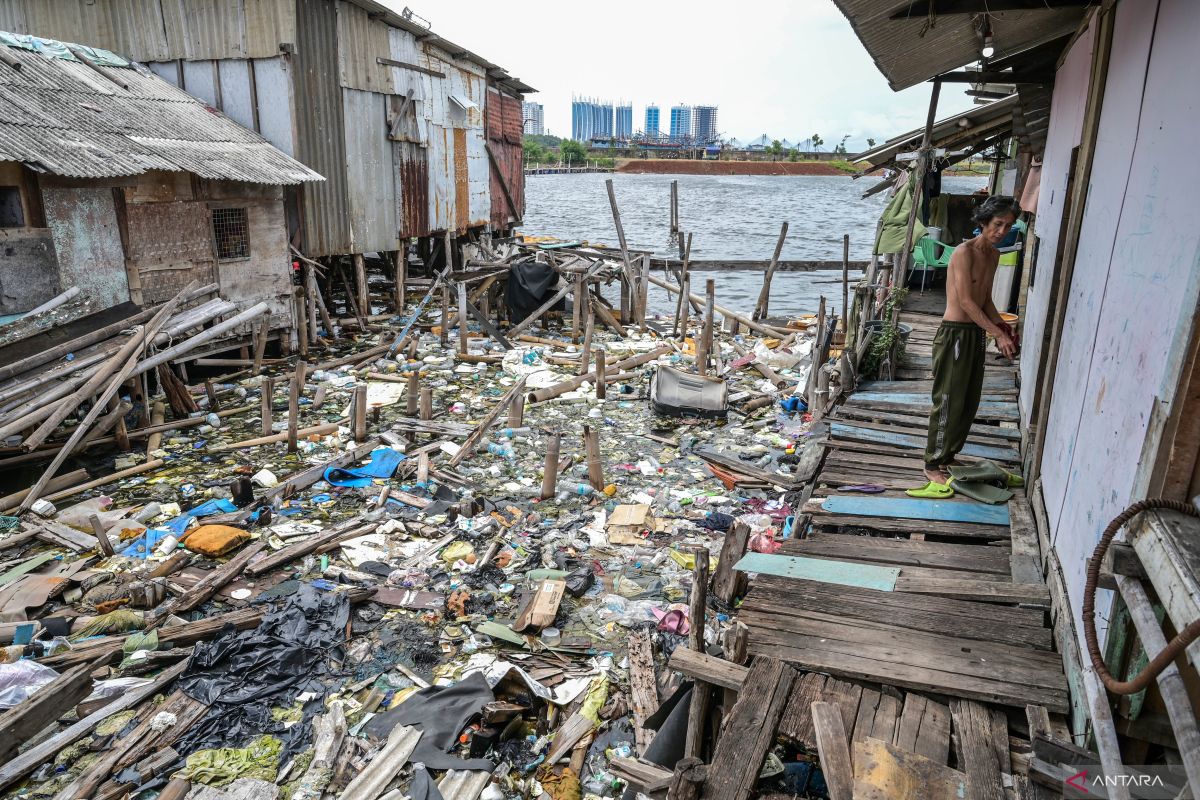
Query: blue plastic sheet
{"points": [[144, 545], [383, 464]]}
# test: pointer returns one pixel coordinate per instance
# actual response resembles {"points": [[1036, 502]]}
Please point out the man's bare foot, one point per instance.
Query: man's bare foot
{"points": [[936, 475]]}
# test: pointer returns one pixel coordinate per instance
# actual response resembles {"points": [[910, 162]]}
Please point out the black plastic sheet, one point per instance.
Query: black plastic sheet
{"points": [[440, 712], [243, 675], [529, 285]]}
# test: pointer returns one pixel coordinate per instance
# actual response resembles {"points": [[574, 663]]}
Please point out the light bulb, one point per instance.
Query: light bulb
{"points": [[988, 48]]}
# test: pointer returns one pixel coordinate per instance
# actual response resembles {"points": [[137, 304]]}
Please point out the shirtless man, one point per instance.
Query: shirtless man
{"points": [[958, 347]]}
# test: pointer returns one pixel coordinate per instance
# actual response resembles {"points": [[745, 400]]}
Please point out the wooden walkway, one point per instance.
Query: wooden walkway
{"points": [[963, 631]]}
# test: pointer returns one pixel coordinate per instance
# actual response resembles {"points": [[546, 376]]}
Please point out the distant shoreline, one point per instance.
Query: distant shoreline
{"points": [[680, 166]]}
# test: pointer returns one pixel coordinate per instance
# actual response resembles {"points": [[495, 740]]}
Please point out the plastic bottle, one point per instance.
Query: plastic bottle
{"points": [[510, 433], [502, 450]]}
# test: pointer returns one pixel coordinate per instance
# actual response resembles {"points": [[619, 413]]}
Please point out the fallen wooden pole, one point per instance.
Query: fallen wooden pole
{"points": [[283, 436], [550, 392], [481, 430], [775, 333]]}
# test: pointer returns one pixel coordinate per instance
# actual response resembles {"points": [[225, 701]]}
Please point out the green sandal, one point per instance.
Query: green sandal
{"points": [[932, 491]]}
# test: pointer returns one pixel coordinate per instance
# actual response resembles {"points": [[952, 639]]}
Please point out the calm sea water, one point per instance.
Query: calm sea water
{"points": [[730, 217]]}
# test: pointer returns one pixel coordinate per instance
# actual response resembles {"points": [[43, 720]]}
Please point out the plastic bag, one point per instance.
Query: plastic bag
{"points": [[20, 679]]}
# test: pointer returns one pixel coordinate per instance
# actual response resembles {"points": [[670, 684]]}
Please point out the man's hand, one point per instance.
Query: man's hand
{"points": [[1008, 347]]}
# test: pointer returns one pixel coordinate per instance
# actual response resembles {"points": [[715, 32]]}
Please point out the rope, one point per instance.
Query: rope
{"points": [[1173, 648]]}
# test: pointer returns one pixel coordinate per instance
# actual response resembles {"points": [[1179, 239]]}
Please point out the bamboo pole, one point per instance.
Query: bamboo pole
{"points": [[158, 415], [764, 294], [358, 411], [845, 286], [401, 265], [186, 346], [577, 303], [412, 393], [550, 472], [260, 344], [563, 387], [300, 303], [918, 178], [425, 410], [282, 436], [360, 280], [766, 330], [683, 305], [463, 338], [585, 351], [444, 335]]}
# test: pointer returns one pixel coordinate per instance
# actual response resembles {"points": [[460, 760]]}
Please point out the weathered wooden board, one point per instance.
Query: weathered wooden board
{"points": [[913, 441], [885, 772], [867, 576], [924, 728], [918, 508]]}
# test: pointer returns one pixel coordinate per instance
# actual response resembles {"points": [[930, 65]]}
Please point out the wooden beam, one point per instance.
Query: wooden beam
{"points": [[997, 77], [833, 746], [919, 9], [391, 62]]}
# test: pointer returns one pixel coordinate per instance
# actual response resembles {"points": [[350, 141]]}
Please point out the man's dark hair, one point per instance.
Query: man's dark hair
{"points": [[994, 206]]}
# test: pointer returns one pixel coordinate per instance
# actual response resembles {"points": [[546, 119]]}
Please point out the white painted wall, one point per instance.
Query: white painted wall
{"points": [[1136, 281]]}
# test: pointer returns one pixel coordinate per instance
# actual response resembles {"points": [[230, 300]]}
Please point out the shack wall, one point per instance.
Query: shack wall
{"points": [[1067, 107], [28, 263], [459, 184], [505, 130], [1135, 285], [87, 240]]}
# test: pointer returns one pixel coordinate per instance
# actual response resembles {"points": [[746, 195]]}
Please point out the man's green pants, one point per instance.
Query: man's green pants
{"points": [[958, 353]]}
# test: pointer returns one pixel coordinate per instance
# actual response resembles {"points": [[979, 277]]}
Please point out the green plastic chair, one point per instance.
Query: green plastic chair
{"points": [[926, 258]]}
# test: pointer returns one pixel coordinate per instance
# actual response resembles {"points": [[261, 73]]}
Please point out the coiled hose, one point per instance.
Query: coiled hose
{"points": [[1173, 648]]}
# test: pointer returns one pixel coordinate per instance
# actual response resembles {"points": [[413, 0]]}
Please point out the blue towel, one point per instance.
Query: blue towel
{"points": [[383, 464]]}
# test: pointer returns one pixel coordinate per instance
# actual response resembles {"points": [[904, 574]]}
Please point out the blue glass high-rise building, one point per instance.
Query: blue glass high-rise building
{"points": [[651, 128], [681, 122], [591, 119], [624, 122]]}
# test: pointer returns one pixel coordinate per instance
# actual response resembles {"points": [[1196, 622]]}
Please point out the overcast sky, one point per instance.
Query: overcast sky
{"points": [[787, 68]]}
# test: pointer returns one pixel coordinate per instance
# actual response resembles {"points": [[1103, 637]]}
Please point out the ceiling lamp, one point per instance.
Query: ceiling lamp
{"points": [[989, 47]]}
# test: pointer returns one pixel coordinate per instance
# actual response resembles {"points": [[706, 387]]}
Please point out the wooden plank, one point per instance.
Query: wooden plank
{"points": [[749, 731], [917, 508], [877, 715], [839, 573], [709, 669], [988, 409], [907, 676], [957, 617], [728, 582], [924, 728], [916, 438], [885, 772], [650, 777], [1026, 558], [643, 688], [834, 751], [920, 422], [969, 558], [972, 659], [977, 748], [796, 723], [981, 591], [21, 722], [958, 530]]}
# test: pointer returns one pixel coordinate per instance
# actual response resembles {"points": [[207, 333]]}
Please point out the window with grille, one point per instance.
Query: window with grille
{"points": [[232, 232]]}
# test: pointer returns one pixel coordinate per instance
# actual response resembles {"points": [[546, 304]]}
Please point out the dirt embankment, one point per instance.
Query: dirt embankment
{"points": [[679, 166]]}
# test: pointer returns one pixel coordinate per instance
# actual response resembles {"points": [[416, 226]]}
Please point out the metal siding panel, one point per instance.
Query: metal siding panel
{"points": [[320, 134], [167, 70], [362, 40], [370, 181], [479, 179], [504, 128], [214, 29], [441, 178], [412, 187], [273, 84], [88, 243], [269, 23], [200, 80], [236, 91]]}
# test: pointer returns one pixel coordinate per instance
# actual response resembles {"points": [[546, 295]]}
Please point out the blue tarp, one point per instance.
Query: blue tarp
{"points": [[144, 545], [383, 464]]}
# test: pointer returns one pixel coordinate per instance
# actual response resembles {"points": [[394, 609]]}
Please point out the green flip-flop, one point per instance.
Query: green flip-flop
{"points": [[932, 490]]}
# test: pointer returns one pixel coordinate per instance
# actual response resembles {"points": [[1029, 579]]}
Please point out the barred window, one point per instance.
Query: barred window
{"points": [[231, 230]]}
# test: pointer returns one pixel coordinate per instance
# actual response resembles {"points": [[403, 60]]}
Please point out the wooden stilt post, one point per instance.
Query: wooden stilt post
{"points": [[158, 415], [463, 341], [595, 465], [577, 304], [550, 473], [301, 301], [817, 359], [601, 386], [425, 405], [643, 296], [359, 413], [764, 294], [918, 178], [585, 351], [701, 691], [445, 335], [120, 429], [400, 257], [318, 397], [297, 386], [846, 286], [360, 283], [261, 332], [627, 282], [412, 393], [423, 468], [268, 392], [704, 348]]}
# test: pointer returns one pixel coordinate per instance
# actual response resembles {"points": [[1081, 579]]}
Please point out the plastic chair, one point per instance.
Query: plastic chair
{"points": [[926, 258]]}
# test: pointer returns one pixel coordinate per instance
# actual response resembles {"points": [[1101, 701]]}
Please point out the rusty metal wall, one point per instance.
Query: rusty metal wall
{"points": [[459, 184], [160, 30], [321, 138], [504, 133], [412, 188], [87, 240], [361, 42]]}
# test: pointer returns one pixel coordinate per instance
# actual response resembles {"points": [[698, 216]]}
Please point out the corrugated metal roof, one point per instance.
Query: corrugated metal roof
{"points": [[61, 116], [982, 119], [908, 52]]}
